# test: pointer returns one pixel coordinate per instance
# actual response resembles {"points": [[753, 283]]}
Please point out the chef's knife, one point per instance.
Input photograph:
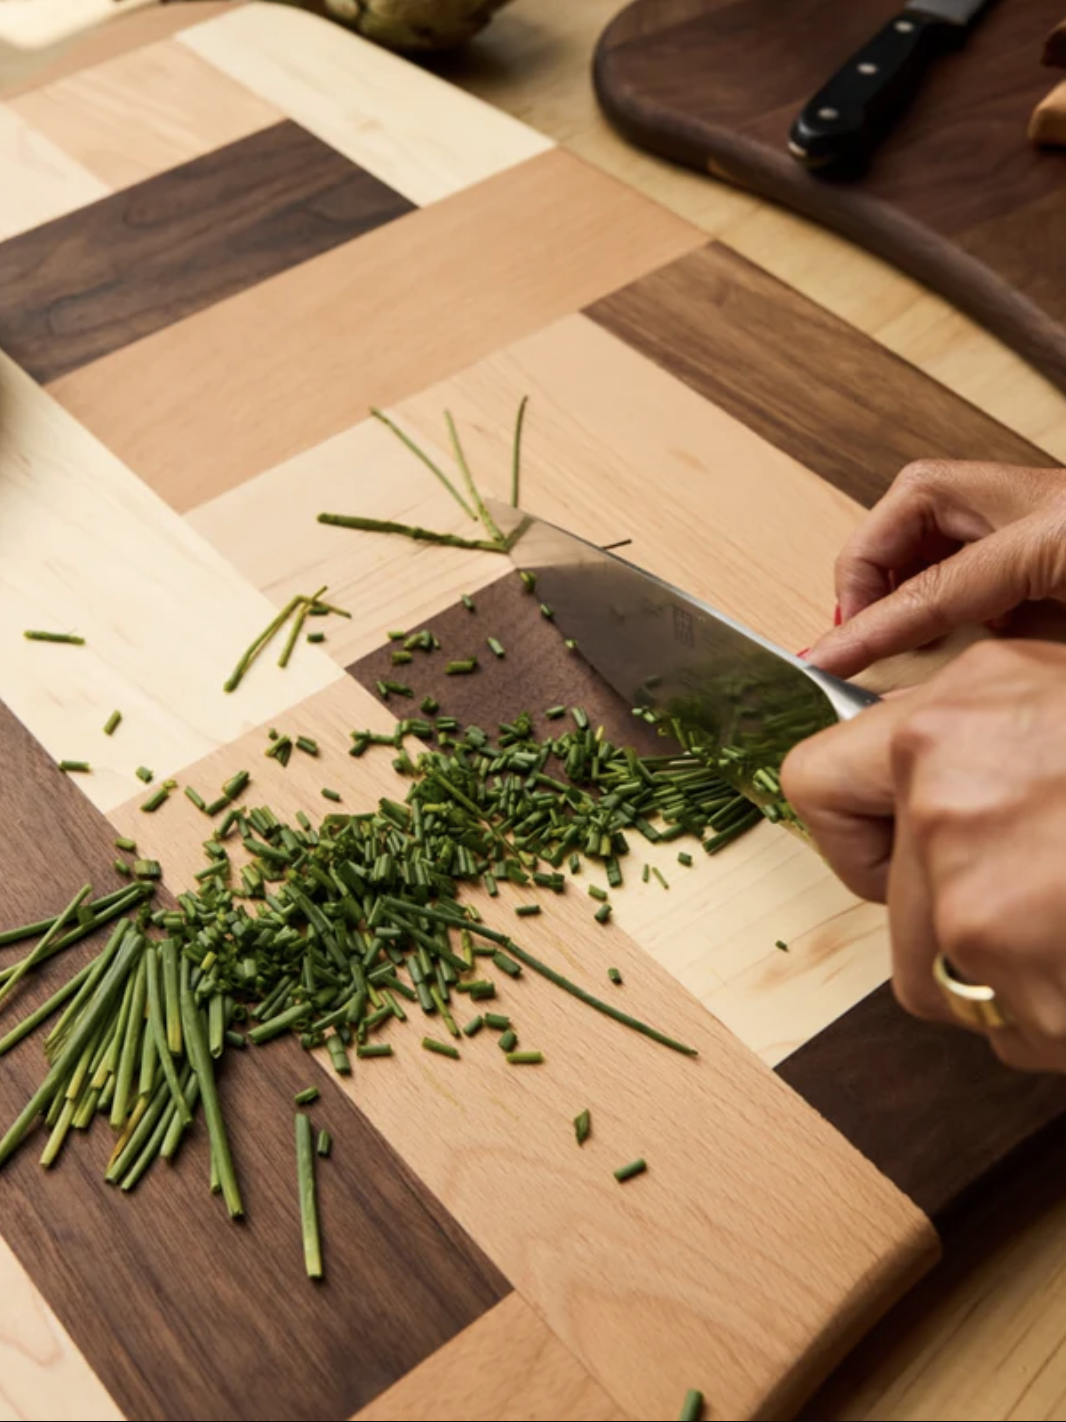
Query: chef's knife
{"points": [[848, 117], [658, 647]]}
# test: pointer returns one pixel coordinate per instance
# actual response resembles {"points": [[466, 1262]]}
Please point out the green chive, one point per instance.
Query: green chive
{"points": [[81, 767], [546, 611], [401, 658], [554, 712], [143, 773], [660, 878], [306, 1096], [324, 1146], [782, 945], [516, 450], [305, 1177], [505, 964], [525, 1058], [685, 859], [306, 744], [529, 580], [630, 1171], [692, 1409], [497, 1021], [603, 913], [374, 1049], [615, 976], [583, 1126], [129, 845], [424, 457], [316, 637], [495, 647], [443, 1049], [570, 644], [527, 910], [112, 723], [328, 794], [462, 667], [69, 639], [508, 1041], [468, 603], [147, 869], [195, 796], [473, 1027]]}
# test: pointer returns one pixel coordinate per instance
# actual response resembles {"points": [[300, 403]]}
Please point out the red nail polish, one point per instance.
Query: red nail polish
{"points": [[838, 616], [804, 653]]}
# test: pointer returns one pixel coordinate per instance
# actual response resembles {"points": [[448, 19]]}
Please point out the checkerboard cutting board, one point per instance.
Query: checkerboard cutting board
{"points": [[219, 249]]}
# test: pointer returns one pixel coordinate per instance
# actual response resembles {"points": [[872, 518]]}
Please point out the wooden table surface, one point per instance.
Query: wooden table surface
{"points": [[986, 1337], [983, 1339]]}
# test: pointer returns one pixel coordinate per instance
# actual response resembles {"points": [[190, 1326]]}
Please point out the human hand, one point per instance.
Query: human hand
{"points": [[948, 803], [949, 544]]}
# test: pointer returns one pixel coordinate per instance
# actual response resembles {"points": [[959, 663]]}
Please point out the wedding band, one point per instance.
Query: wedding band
{"points": [[972, 1003]]}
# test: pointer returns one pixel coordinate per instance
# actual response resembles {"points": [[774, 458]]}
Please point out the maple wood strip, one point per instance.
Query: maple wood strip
{"points": [[741, 1302], [38, 180], [296, 359], [88, 114], [506, 1367]]}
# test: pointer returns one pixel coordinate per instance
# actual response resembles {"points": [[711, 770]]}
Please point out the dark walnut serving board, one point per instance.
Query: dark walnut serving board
{"points": [[956, 196], [180, 398]]}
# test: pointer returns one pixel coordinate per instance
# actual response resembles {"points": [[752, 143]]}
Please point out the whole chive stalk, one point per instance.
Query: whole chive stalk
{"points": [[692, 1409], [583, 1126], [157, 1023], [442, 1049], [525, 1058], [75, 767], [495, 647], [41, 951], [305, 1176], [421, 454], [486, 518], [112, 723], [298, 621], [68, 639], [516, 450], [630, 1171], [324, 1146], [204, 1067], [306, 1096], [407, 530]]}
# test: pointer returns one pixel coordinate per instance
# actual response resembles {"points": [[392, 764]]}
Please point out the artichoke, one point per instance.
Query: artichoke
{"points": [[413, 24]]}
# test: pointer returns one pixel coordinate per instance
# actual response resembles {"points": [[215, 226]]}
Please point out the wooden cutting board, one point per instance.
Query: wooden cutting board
{"points": [[221, 246], [956, 196]]}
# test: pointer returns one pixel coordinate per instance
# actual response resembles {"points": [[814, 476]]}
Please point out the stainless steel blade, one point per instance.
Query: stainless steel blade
{"points": [[724, 685], [952, 12]]}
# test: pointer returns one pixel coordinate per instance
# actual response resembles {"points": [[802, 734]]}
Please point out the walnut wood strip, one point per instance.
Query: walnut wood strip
{"points": [[507, 1367], [179, 1312], [101, 278], [1055, 48], [745, 1184], [448, 284], [717, 321]]}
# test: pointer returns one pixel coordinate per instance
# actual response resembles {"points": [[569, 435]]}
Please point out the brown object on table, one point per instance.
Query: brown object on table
{"points": [[1047, 127], [954, 197], [1055, 48]]}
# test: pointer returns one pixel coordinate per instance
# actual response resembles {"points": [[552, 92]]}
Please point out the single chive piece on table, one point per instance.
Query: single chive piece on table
{"points": [[692, 1409], [306, 1096], [442, 1049], [497, 1021], [583, 1126], [328, 794], [495, 647], [401, 658], [305, 1176], [160, 797], [525, 1058], [316, 637], [529, 580], [75, 767], [196, 798], [782, 945], [468, 603], [325, 1144], [527, 910], [685, 859], [68, 639], [508, 1041], [630, 1171], [595, 892], [307, 745], [660, 878], [615, 976], [374, 1049], [554, 712], [463, 666], [143, 773], [603, 913], [111, 725], [473, 1027], [546, 611], [129, 845]]}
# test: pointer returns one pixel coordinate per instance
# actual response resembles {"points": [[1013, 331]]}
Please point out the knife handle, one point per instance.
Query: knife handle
{"points": [[845, 119]]}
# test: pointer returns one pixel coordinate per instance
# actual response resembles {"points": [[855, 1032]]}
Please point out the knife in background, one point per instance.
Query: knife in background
{"points": [[847, 118], [661, 648]]}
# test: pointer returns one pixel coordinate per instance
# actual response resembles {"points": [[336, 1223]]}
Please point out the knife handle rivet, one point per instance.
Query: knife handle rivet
{"points": [[868, 68], [904, 26], [828, 114]]}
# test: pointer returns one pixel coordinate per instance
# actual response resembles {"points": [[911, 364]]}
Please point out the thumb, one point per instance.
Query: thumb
{"points": [[982, 581]]}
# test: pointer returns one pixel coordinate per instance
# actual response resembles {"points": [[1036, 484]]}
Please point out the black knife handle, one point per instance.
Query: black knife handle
{"points": [[845, 119]]}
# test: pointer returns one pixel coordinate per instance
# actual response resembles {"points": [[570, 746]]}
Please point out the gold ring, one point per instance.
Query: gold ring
{"points": [[972, 1003]]}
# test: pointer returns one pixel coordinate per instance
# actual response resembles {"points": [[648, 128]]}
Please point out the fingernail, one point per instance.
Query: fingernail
{"points": [[838, 616], [804, 653]]}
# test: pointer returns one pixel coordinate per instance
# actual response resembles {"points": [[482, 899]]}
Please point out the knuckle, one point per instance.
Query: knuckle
{"points": [[920, 734], [918, 1002], [924, 471]]}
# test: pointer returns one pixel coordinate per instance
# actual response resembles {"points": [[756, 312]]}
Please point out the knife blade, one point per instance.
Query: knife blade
{"points": [[726, 688], [848, 117]]}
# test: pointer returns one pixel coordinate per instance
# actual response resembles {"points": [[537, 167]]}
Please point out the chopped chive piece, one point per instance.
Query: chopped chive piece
{"points": [[614, 975], [580, 715], [525, 1058], [554, 712], [473, 1027], [316, 637], [429, 705], [195, 796], [516, 450], [603, 913], [527, 910], [546, 611], [508, 1041], [81, 767], [401, 658], [396, 635], [685, 859], [129, 845], [216, 806], [505, 964], [529, 580], [782, 945], [583, 1126], [305, 1175], [122, 867], [147, 869], [462, 667], [400, 688], [111, 725], [495, 647], [306, 744], [154, 801], [324, 1145], [468, 603], [692, 1410], [630, 1171], [570, 644], [646, 875], [442, 1049], [305, 1097], [374, 1049], [328, 794], [497, 1021], [658, 875], [69, 639], [143, 773]]}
